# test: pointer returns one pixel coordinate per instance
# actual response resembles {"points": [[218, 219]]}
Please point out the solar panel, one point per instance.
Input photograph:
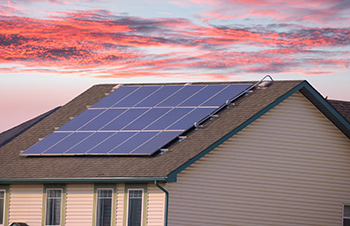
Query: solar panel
{"points": [[46, 143], [128, 117], [116, 96], [169, 118], [180, 96], [136, 120], [229, 92], [112, 142], [81, 120], [68, 142], [158, 96], [87, 144], [137, 96], [129, 145]]}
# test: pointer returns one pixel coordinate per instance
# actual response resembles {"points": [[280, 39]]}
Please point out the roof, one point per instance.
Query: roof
{"points": [[10, 134], [18, 169], [343, 107]]}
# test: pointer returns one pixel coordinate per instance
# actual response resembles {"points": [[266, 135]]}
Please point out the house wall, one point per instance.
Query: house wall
{"points": [[26, 204], [290, 167], [79, 204]]}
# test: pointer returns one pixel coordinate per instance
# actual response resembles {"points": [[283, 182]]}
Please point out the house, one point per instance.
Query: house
{"points": [[276, 154]]}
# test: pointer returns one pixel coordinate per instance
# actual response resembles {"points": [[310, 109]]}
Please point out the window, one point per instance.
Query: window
{"points": [[2, 207], [104, 207], [53, 206], [135, 207], [346, 215]]}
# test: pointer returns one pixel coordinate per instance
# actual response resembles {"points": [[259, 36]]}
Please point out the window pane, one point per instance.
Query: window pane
{"points": [[135, 208], [346, 222], [2, 199], [346, 211], [53, 207], [104, 207]]}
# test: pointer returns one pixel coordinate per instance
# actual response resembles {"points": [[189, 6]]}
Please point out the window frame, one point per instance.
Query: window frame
{"points": [[98, 187], [6, 189], [343, 209], [4, 207], [63, 203], [129, 187]]}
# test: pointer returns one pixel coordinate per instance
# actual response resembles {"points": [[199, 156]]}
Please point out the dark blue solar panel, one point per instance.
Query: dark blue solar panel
{"points": [[89, 143], [124, 119], [203, 95], [45, 143], [168, 118], [147, 118], [180, 96], [116, 96], [128, 146], [81, 120], [137, 96], [155, 143], [228, 93], [67, 143], [102, 120], [158, 96], [188, 121], [111, 143]]}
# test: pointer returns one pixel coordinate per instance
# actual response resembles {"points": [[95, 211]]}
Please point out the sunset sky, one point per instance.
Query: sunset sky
{"points": [[50, 51]]}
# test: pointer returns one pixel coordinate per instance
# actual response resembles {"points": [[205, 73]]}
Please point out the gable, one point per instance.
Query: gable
{"points": [[291, 165]]}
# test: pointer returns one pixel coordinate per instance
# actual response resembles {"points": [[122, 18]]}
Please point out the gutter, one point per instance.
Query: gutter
{"points": [[166, 202], [82, 180]]}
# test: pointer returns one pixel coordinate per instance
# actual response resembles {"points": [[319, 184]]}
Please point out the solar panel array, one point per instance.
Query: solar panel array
{"points": [[136, 120]]}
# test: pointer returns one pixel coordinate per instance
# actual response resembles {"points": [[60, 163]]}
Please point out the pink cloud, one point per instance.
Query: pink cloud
{"points": [[103, 44]]}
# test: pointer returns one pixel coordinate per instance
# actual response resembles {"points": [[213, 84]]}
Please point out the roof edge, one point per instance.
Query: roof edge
{"points": [[82, 180], [307, 90]]}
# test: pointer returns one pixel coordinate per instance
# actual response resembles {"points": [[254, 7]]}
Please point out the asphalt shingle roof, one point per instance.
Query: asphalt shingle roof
{"points": [[14, 166], [343, 107]]}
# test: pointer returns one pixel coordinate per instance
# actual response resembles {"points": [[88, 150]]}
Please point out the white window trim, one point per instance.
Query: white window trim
{"points": [[127, 206], [60, 207], [4, 207], [99, 189]]}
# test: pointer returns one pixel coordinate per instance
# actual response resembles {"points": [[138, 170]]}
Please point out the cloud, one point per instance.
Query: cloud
{"points": [[103, 44], [320, 12]]}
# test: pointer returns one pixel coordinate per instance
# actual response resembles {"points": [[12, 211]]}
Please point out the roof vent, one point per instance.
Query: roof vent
{"points": [[264, 84], [188, 83]]}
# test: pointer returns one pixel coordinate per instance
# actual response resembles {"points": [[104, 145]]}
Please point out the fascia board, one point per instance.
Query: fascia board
{"points": [[83, 180]]}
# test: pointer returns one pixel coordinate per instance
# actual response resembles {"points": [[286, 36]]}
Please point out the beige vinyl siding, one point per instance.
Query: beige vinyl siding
{"points": [[79, 204], [290, 167], [155, 206], [120, 204], [26, 204]]}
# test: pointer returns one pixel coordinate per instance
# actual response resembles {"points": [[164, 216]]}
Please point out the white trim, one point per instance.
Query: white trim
{"points": [[4, 208], [61, 212], [96, 217], [127, 206]]}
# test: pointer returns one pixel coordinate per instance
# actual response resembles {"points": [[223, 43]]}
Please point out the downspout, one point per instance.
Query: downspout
{"points": [[166, 202]]}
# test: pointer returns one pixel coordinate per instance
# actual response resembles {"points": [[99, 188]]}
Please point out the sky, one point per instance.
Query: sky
{"points": [[53, 50]]}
